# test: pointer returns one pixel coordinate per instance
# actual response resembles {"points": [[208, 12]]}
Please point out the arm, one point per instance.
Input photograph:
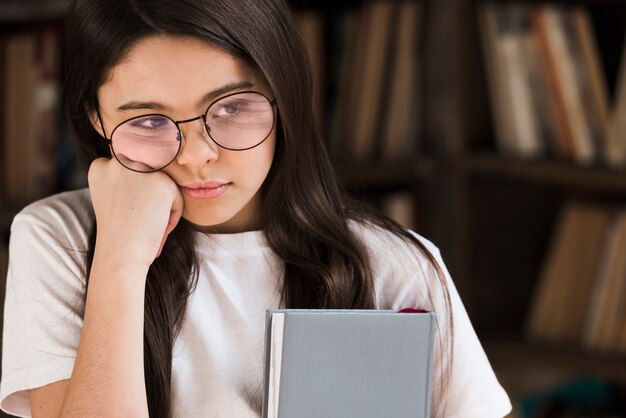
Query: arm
{"points": [[46, 401], [108, 374]]}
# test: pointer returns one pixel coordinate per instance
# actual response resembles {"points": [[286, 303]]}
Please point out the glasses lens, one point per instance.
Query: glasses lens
{"points": [[240, 121], [146, 143]]}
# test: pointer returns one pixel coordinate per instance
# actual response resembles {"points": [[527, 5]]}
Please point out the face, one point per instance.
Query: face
{"points": [[179, 78]]}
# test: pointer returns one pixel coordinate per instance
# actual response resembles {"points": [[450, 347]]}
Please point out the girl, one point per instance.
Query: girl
{"points": [[211, 199]]}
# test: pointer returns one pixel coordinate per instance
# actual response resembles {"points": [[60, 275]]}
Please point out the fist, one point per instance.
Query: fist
{"points": [[135, 212]]}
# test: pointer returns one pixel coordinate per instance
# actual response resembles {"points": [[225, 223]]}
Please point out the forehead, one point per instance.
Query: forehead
{"points": [[163, 67]]}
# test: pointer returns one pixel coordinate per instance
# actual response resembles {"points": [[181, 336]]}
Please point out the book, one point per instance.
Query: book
{"points": [[616, 146], [605, 323], [445, 114], [311, 27], [348, 363], [515, 33], [345, 38], [610, 265], [508, 40], [563, 50], [375, 65], [621, 343], [563, 140], [402, 120], [19, 90], [560, 302], [598, 95], [498, 91], [31, 96], [538, 82]]}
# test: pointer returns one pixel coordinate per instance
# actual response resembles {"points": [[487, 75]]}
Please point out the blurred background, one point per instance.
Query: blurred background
{"points": [[495, 129]]}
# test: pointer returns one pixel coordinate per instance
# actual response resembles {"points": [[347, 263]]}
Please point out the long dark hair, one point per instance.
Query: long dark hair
{"points": [[304, 214]]}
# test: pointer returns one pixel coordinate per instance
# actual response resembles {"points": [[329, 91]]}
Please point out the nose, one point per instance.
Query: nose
{"points": [[197, 148]]}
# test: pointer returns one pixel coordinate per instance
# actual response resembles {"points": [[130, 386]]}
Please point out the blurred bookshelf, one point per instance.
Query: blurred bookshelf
{"points": [[493, 203], [597, 180], [420, 117]]}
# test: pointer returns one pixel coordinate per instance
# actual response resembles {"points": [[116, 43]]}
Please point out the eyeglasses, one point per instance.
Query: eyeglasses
{"points": [[237, 122]]}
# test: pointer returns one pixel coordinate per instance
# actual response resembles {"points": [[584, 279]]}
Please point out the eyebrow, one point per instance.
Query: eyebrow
{"points": [[135, 105]]}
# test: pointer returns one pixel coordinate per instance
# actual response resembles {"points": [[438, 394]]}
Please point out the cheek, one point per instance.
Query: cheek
{"points": [[257, 164]]}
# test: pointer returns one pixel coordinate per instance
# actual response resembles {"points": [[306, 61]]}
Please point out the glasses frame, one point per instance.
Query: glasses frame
{"points": [[179, 137]]}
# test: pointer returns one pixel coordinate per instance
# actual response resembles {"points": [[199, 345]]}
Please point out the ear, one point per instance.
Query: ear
{"points": [[94, 118]]}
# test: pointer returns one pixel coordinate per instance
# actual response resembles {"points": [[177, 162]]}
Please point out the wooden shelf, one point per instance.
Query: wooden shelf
{"points": [[386, 176], [524, 368], [549, 173]]}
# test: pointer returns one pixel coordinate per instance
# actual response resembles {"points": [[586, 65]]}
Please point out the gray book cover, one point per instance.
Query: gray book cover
{"points": [[348, 364]]}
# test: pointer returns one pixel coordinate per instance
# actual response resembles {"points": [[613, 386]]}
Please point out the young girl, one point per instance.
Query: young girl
{"points": [[211, 199]]}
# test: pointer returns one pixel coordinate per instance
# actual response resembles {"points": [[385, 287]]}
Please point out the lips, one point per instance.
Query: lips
{"points": [[209, 190]]}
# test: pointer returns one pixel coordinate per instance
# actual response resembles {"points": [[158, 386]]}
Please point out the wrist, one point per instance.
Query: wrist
{"points": [[120, 258], [116, 290], [118, 273]]}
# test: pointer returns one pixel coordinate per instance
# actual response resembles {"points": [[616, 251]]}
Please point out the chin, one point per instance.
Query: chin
{"points": [[225, 216], [218, 222], [208, 219]]}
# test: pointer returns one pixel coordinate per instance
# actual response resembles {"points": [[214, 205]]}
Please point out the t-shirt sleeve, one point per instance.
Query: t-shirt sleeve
{"points": [[44, 302], [405, 278]]}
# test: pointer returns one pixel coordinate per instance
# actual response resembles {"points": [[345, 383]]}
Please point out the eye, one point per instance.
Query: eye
{"points": [[152, 122], [228, 109]]}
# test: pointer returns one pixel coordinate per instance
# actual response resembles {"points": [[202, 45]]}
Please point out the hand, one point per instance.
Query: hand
{"points": [[135, 212]]}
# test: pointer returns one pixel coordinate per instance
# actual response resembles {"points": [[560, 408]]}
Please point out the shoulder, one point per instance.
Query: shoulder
{"points": [[45, 294], [64, 219], [404, 272], [65, 213], [74, 204], [385, 246]]}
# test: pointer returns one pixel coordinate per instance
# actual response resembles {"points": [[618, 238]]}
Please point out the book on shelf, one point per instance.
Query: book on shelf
{"points": [[370, 104], [348, 363], [18, 118], [311, 26], [402, 119], [445, 124], [595, 89], [616, 147], [506, 32], [580, 296], [560, 45], [560, 129], [546, 82], [31, 112], [375, 104], [401, 206], [344, 38], [607, 307], [350, 89]]}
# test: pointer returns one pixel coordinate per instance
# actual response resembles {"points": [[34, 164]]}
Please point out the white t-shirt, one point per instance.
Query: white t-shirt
{"points": [[217, 368]]}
